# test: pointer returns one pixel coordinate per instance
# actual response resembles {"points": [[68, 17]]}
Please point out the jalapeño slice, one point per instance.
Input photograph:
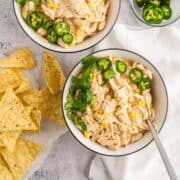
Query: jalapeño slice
{"points": [[61, 28], [104, 63], [35, 19], [121, 67], [67, 38], [144, 84], [135, 75]]}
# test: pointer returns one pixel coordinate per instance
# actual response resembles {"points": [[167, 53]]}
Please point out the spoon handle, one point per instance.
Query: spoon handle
{"points": [[167, 163]]}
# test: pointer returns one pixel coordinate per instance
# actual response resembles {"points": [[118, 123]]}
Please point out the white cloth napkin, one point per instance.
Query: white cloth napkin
{"points": [[162, 48]]}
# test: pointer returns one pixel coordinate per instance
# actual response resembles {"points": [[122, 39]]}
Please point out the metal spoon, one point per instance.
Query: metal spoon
{"points": [[165, 158]]}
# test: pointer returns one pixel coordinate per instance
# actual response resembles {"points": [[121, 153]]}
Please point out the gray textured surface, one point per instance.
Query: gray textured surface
{"points": [[68, 160]]}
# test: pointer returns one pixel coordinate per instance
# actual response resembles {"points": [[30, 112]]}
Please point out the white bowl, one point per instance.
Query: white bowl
{"points": [[160, 100], [175, 5], [88, 43]]}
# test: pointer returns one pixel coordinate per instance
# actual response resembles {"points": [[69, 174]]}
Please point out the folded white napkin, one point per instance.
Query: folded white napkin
{"points": [[162, 48]]}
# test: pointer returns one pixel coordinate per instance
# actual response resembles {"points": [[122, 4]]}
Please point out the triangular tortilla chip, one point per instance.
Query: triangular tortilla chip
{"points": [[53, 73], [21, 58], [9, 139], [55, 114], [5, 174], [42, 100], [13, 115], [1, 144], [26, 93], [21, 158], [8, 78], [36, 118], [23, 87]]}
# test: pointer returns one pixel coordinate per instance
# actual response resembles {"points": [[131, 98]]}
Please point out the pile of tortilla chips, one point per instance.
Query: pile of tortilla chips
{"points": [[22, 107]]}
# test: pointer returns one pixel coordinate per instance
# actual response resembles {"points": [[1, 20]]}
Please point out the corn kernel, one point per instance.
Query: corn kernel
{"points": [[95, 78], [102, 4], [80, 32], [90, 5], [105, 115], [140, 103], [91, 16], [82, 28], [86, 134], [103, 125], [137, 91], [125, 102], [51, 5], [91, 75], [133, 115]]}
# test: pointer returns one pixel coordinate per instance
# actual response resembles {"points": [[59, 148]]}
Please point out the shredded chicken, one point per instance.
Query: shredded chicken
{"points": [[118, 113], [85, 17]]}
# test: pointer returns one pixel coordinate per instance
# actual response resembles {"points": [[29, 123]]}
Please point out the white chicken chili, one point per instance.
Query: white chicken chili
{"points": [[110, 101], [65, 22]]}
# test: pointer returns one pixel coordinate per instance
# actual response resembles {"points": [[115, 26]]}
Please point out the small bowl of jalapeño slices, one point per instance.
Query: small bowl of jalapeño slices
{"points": [[156, 12]]}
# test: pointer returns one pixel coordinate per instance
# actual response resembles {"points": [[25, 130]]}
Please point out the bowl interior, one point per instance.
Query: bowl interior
{"points": [[175, 5], [89, 42], [160, 101]]}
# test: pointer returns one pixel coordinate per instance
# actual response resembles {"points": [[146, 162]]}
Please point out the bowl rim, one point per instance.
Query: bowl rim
{"points": [[76, 51], [166, 94], [151, 25]]}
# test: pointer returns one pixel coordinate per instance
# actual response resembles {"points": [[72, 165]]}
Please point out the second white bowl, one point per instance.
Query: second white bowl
{"points": [[160, 101], [88, 43]]}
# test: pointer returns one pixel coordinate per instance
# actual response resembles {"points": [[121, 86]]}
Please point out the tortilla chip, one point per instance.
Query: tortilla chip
{"points": [[5, 174], [19, 73], [26, 93], [53, 73], [1, 144], [23, 87], [55, 114], [36, 117], [21, 58], [9, 139], [13, 115], [8, 78], [21, 158], [1, 95], [42, 100]]}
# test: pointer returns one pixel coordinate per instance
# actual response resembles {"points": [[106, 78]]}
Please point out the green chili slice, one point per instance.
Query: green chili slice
{"points": [[144, 84], [21, 2], [35, 19], [48, 24], [154, 2], [135, 75], [121, 67], [61, 28], [104, 63], [140, 3], [166, 2], [153, 15], [160, 16], [67, 38], [51, 36], [148, 6], [108, 74], [167, 11]]}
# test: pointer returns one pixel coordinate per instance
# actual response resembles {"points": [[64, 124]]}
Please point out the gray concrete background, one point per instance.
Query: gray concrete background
{"points": [[68, 160]]}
